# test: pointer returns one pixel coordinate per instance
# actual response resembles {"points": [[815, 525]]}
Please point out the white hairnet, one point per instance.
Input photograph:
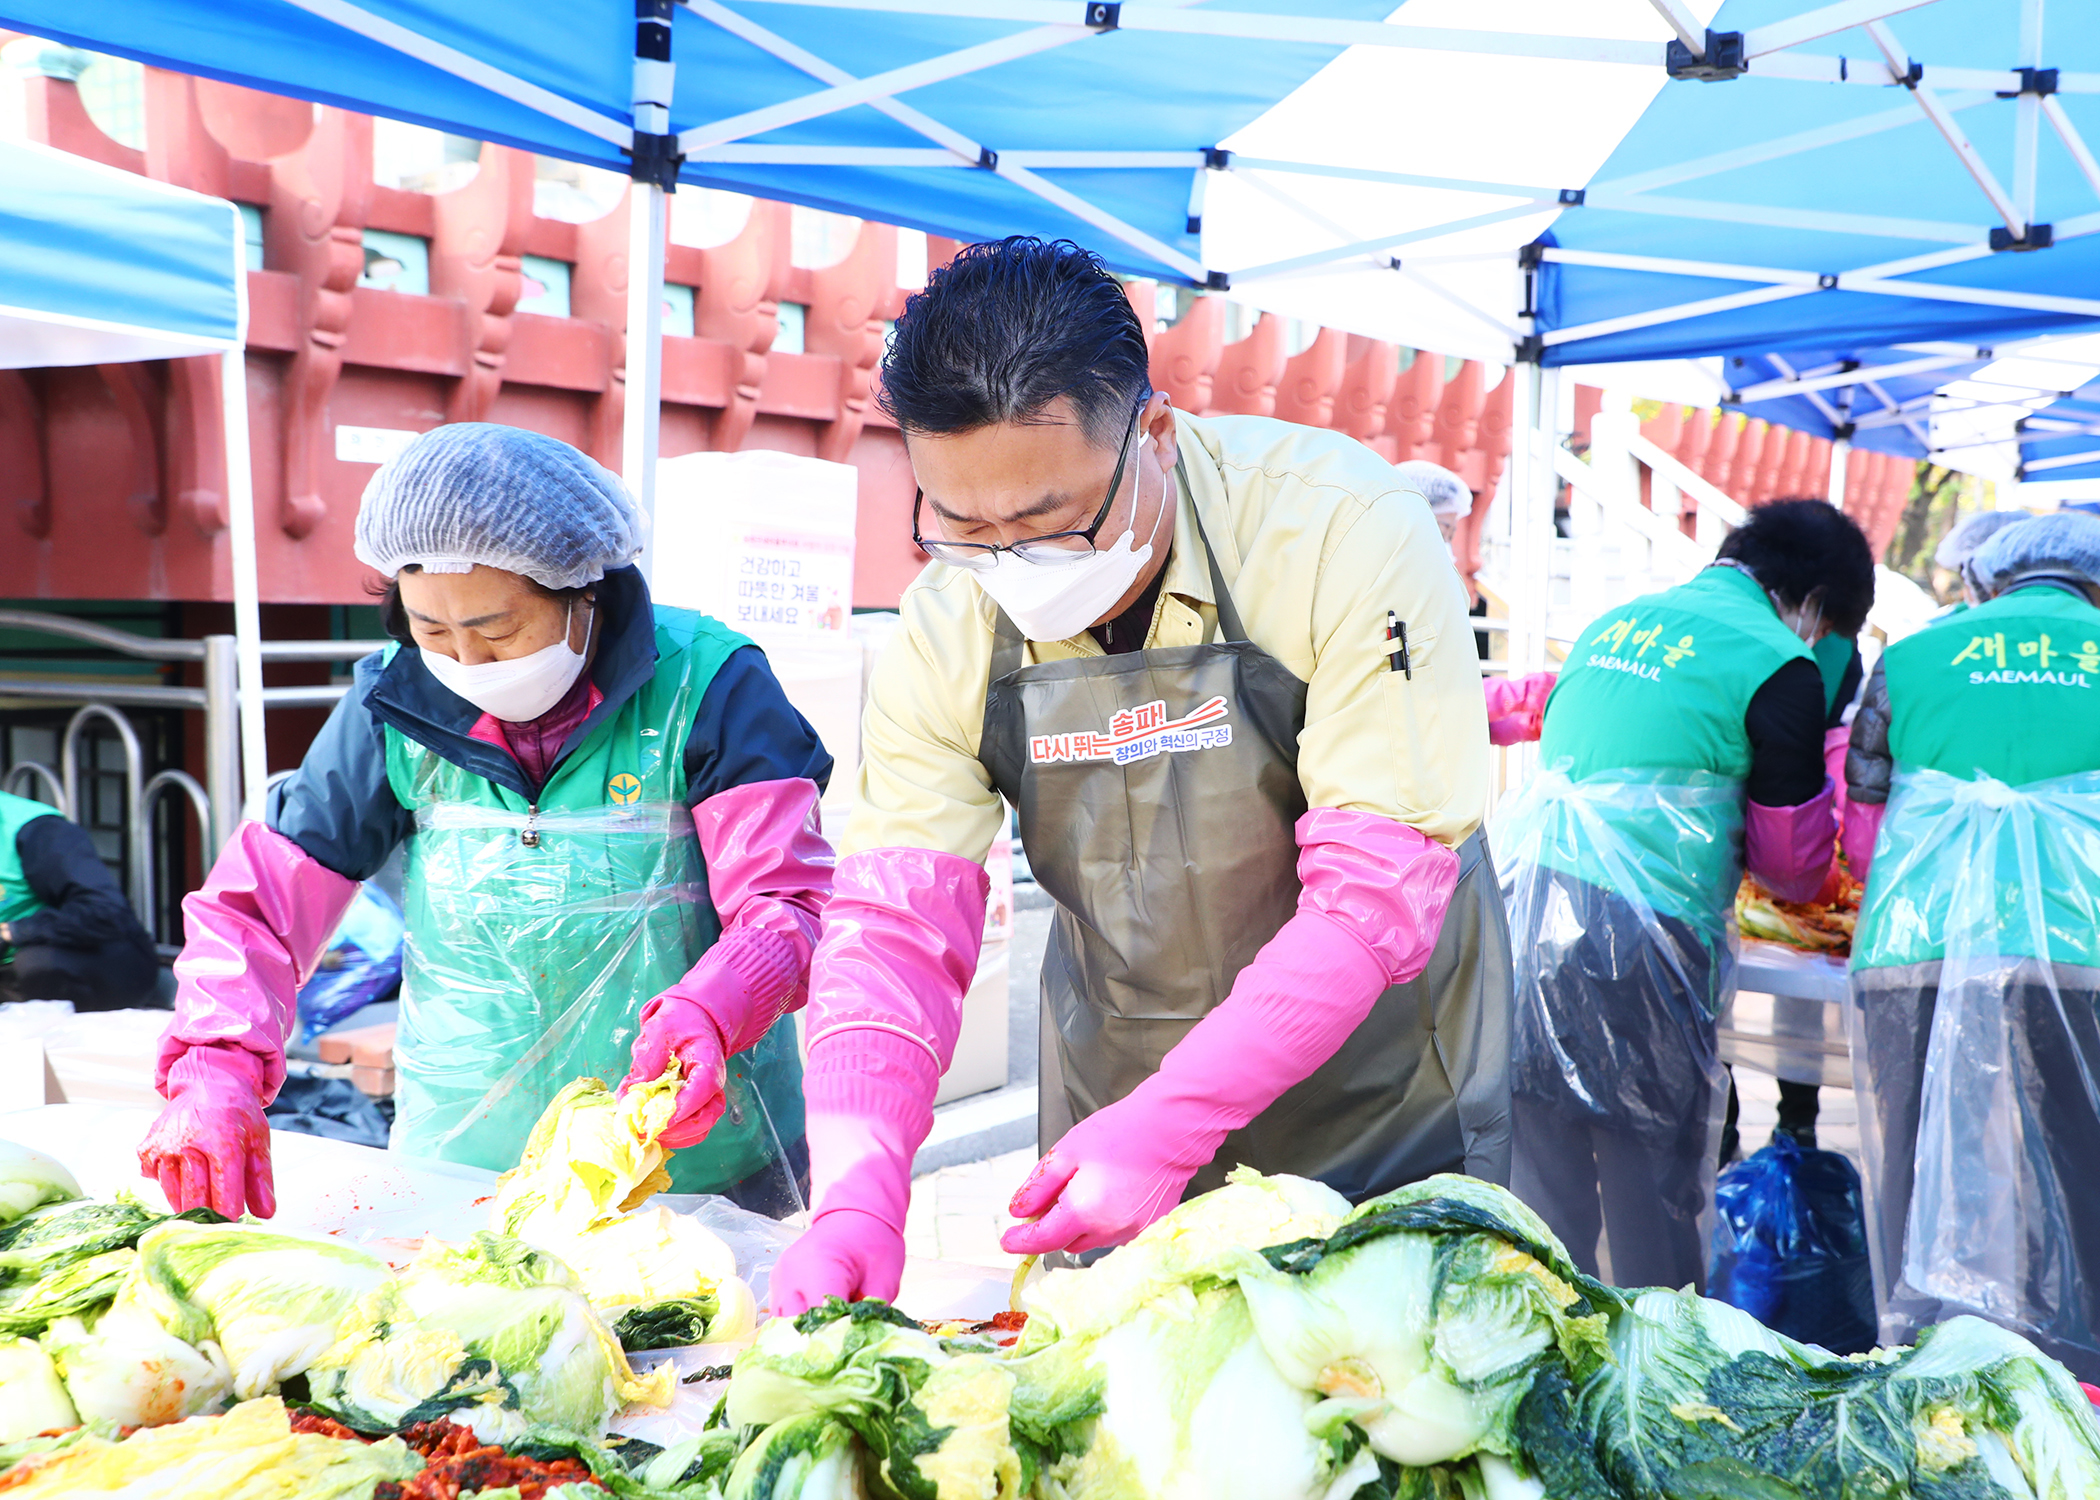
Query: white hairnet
{"points": [[2067, 542], [1972, 531], [1445, 491], [476, 492]]}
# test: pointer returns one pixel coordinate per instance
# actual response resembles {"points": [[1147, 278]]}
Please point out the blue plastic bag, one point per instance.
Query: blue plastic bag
{"points": [[362, 965], [1790, 1246]]}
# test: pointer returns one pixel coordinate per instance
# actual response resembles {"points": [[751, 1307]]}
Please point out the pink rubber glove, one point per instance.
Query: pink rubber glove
{"points": [[1862, 828], [1516, 706], [769, 873], [210, 1148], [1789, 849], [900, 945], [255, 931], [1375, 892], [870, 1102]]}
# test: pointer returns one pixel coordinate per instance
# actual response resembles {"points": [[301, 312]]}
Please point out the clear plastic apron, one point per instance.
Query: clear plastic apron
{"points": [[2001, 885]]}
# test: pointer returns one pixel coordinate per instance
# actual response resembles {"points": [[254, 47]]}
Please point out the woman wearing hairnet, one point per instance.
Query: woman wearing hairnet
{"points": [[603, 801], [1516, 706], [1959, 545], [1975, 782], [1683, 742]]}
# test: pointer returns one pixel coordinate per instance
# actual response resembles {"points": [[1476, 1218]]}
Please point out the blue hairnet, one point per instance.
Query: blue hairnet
{"points": [[2066, 542], [1972, 531], [476, 492], [1445, 491]]}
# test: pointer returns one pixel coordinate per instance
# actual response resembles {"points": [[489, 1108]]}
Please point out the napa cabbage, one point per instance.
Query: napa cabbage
{"points": [[1422, 1319], [32, 1399], [129, 1370], [491, 1333], [272, 1303], [30, 1304], [1209, 1238], [590, 1161], [29, 1179], [250, 1453], [932, 1417]]}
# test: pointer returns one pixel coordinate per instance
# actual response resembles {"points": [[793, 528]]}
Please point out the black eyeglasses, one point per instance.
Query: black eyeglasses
{"points": [[1052, 550]]}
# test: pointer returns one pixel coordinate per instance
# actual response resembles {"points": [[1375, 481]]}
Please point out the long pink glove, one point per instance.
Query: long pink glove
{"points": [[769, 874], [900, 945], [211, 1146], [1862, 827], [1516, 706], [1789, 849], [255, 931], [1374, 897]]}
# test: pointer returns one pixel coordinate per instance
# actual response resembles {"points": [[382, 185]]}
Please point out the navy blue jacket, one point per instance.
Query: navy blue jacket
{"points": [[339, 808]]}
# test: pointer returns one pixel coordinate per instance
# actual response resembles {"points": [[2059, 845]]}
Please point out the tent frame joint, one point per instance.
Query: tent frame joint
{"points": [[1104, 15], [2037, 237], [655, 160], [1725, 58], [1217, 281], [2040, 81]]}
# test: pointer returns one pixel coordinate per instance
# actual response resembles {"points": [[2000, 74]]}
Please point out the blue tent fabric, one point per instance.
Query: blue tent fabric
{"points": [[98, 264], [1115, 90], [2062, 440], [1758, 212], [1902, 432]]}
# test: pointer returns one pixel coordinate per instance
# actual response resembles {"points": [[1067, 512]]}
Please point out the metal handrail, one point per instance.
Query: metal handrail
{"points": [[154, 648], [149, 647], [32, 770], [74, 690], [149, 802], [134, 764]]}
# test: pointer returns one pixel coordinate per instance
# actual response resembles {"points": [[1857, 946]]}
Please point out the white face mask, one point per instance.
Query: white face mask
{"points": [[1056, 602], [519, 690], [1806, 622]]}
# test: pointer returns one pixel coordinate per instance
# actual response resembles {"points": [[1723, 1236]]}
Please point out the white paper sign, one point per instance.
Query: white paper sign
{"points": [[371, 445], [792, 583], [762, 541]]}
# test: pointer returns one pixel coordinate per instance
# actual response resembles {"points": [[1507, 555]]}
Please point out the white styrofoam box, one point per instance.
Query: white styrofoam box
{"points": [[822, 679], [762, 541], [103, 1057], [980, 1047]]}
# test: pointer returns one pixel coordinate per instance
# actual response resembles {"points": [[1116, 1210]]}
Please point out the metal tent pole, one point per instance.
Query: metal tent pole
{"points": [[1840, 456], [247, 583], [656, 158], [645, 354]]}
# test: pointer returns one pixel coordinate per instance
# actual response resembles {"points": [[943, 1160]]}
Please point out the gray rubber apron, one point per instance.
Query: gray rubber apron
{"points": [[1158, 795]]}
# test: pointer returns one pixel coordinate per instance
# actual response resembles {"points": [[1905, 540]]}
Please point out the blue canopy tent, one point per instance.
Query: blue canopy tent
{"points": [[1835, 217], [1881, 399], [102, 266], [2062, 441]]}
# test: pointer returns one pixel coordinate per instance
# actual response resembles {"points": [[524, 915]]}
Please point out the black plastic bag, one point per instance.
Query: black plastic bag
{"points": [[1790, 1246], [331, 1107], [361, 966]]}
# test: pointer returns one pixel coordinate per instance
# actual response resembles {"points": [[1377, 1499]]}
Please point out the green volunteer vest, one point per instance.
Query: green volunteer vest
{"points": [[2009, 691], [1652, 700], [17, 900], [1833, 654], [2010, 688], [537, 931]]}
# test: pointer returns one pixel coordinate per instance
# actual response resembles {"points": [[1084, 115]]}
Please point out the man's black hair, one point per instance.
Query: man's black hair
{"points": [[1802, 547], [1006, 328]]}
